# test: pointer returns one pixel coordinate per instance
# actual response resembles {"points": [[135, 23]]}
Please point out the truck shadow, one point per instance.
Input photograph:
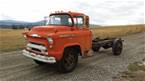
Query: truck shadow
{"points": [[102, 54], [49, 71]]}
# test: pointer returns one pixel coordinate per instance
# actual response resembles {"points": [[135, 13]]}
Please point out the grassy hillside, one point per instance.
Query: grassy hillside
{"points": [[11, 40]]}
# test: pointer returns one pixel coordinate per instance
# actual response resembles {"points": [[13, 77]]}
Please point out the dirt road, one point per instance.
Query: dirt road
{"points": [[103, 66]]}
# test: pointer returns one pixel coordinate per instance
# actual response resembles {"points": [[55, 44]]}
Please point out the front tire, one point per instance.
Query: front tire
{"points": [[69, 61]]}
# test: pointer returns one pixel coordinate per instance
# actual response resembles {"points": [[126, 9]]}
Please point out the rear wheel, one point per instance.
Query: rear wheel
{"points": [[117, 47], [96, 48], [69, 60]]}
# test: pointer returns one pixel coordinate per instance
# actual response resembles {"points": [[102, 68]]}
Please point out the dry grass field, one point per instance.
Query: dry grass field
{"points": [[11, 40], [117, 31]]}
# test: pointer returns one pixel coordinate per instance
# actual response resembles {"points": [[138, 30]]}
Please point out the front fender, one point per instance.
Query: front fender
{"points": [[59, 53], [73, 44]]}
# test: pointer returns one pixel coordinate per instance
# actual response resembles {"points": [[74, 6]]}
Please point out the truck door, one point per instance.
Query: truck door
{"points": [[85, 33]]}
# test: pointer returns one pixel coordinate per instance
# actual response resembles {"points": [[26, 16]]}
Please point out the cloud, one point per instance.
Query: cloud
{"points": [[114, 12], [104, 12], [6, 17]]}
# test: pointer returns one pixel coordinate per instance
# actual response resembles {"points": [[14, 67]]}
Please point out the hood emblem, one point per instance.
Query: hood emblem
{"points": [[35, 35]]}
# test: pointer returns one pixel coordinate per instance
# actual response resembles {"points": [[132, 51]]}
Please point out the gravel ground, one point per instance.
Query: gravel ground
{"points": [[103, 66]]}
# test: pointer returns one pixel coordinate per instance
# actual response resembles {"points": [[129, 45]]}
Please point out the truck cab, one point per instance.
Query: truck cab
{"points": [[65, 37]]}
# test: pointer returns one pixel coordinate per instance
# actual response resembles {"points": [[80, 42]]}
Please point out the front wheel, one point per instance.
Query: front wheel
{"points": [[117, 47], [69, 61]]}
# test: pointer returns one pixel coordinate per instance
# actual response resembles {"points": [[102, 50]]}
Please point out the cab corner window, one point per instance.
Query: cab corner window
{"points": [[78, 21]]}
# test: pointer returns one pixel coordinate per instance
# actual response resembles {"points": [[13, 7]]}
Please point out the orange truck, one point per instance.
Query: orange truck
{"points": [[63, 39]]}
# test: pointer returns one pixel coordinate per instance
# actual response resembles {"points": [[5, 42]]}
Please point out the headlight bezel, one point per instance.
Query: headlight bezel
{"points": [[50, 40]]}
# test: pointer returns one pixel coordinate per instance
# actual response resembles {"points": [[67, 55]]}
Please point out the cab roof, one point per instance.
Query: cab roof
{"points": [[69, 13]]}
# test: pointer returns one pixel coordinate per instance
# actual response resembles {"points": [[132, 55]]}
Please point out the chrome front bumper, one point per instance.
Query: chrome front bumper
{"points": [[39, 57]]}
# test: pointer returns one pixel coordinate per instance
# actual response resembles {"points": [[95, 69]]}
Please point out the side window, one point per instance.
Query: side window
{"points": [[78, 21]]}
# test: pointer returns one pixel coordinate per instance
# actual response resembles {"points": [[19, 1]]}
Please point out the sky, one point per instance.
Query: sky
{"points": [[101, 12]]}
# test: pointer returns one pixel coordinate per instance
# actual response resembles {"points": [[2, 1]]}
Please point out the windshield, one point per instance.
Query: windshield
{"points": [[64, 20]]}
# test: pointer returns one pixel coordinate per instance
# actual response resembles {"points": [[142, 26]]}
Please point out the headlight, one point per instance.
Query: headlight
{"points": [[50, 40]]}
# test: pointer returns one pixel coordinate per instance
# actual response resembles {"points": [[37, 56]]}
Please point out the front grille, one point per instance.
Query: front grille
{"points": [[36, 43], [36, 47]]}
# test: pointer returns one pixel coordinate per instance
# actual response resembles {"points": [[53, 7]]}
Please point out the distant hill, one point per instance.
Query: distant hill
{"points": [[19, 24], [12, 22], [42, 22], [94, 26], [22, 24]]}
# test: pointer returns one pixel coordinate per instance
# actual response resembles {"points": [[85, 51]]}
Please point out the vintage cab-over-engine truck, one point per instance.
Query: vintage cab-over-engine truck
{"points": [[65, 37]]}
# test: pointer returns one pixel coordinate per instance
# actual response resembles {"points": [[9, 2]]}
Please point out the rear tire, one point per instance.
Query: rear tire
{"points": [[117, 47], [96, 48], [69, 61]]}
